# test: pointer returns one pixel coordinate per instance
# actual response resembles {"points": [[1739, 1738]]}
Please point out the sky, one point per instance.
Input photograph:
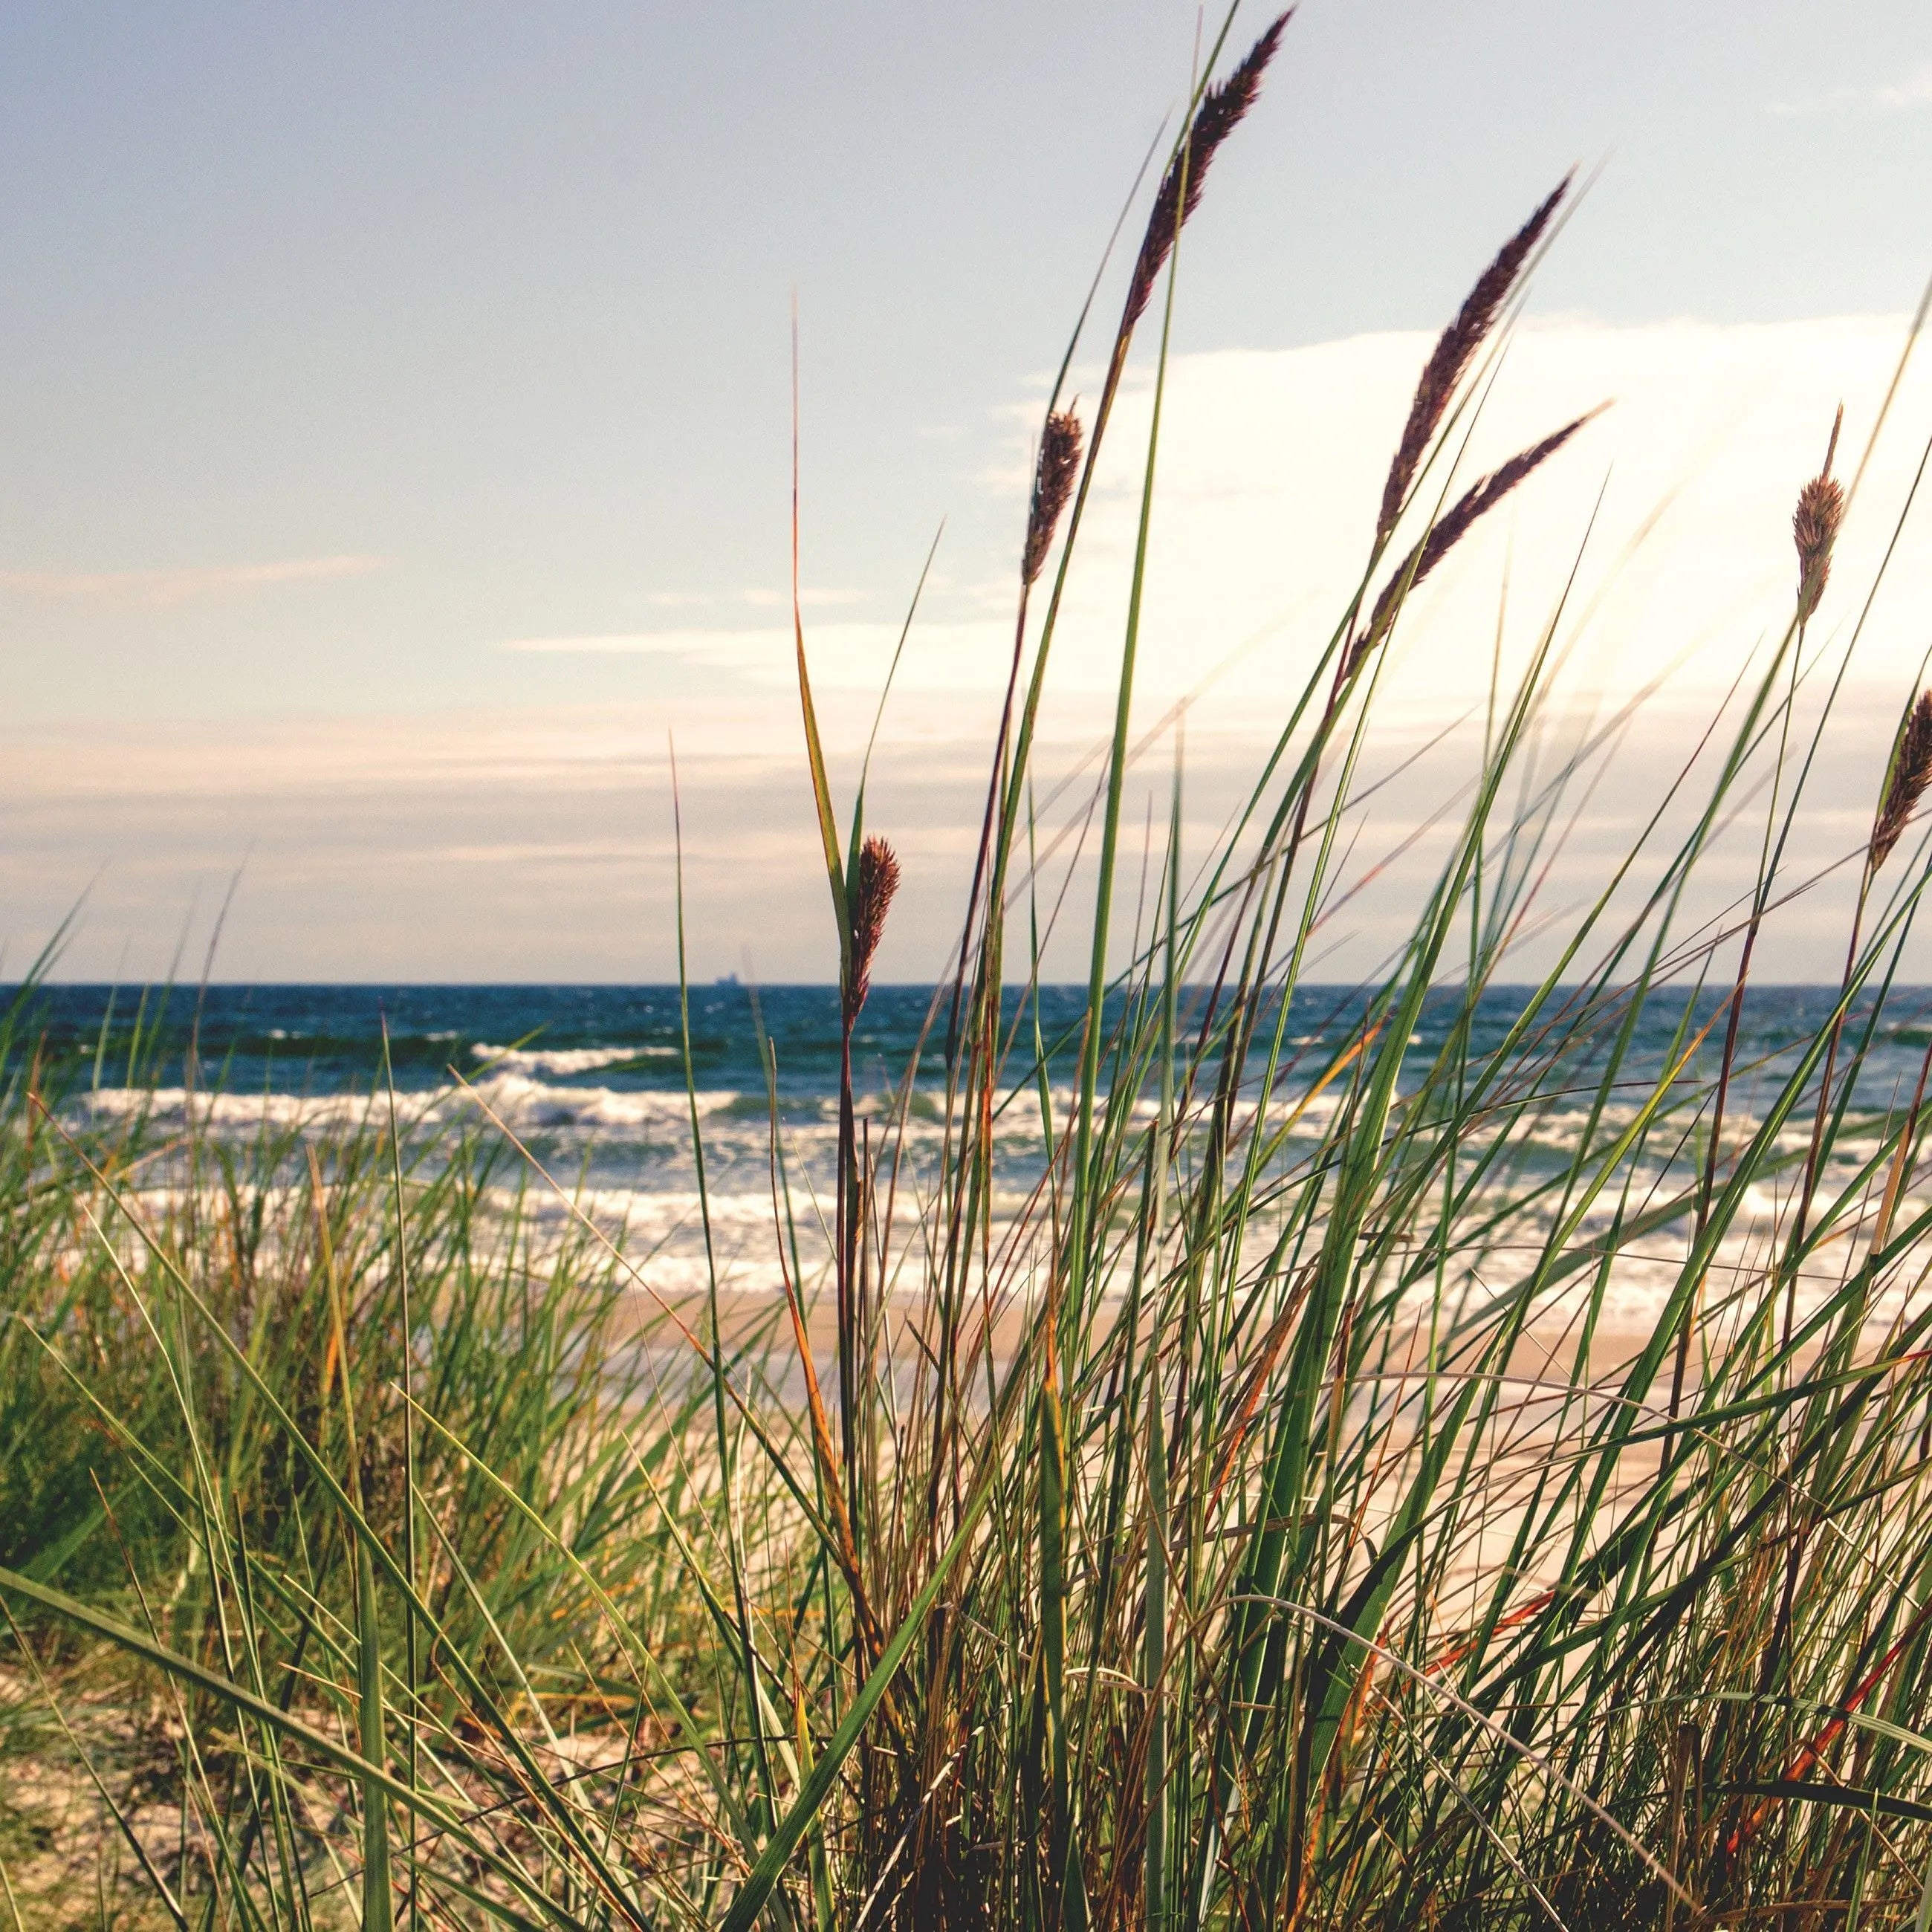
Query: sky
{"points": [[398, 427]]}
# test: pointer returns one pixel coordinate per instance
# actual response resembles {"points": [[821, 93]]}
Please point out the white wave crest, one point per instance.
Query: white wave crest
{"points": [[518, 1101], [561, 1061]]}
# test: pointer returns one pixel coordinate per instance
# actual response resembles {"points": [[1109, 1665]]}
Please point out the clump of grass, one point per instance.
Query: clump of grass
{"points": [[201, 1375], [1253, 1503]]}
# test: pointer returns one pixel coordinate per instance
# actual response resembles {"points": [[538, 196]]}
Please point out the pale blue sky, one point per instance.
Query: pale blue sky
{"points": [[497, 294], [346, 343]]}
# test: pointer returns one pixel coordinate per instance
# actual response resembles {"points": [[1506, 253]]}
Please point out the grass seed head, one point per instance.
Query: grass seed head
{"points": [[1456, 522], [878, 879], [1911, 773], [1222, 110], [1814, 527], [1455, 348], [1053, 480]]}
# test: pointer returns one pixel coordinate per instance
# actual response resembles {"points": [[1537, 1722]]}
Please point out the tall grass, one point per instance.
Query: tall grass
{"points": [[1241, 1508]]}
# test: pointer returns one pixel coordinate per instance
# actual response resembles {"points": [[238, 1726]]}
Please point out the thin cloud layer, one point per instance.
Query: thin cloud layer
{"points": [[160, 589], [534, 843], [1913, 90], [1659, 541]]}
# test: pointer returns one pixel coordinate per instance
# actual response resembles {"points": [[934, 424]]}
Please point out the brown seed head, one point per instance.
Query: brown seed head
{"points": [[872, 890], [1455, 348], [1814, 527], [1053, 478], [1455, 523], [1911, 773], [1220, 114]]}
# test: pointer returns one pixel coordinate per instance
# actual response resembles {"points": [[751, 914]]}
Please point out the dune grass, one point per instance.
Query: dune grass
{"points": [[1244, 1511]]}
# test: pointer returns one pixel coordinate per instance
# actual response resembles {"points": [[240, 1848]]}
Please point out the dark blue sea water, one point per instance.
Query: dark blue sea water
{"points": [[326, 1039], [590, 1080]]}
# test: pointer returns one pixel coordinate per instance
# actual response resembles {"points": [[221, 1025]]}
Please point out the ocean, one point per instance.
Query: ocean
{"points": [[591, 1079], [603, 1058]]}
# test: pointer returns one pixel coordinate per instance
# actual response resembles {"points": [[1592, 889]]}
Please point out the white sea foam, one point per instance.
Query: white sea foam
{"points": [[738, 1123], [647, 1215], [629, 1149], [660, 1229], [561, 1061], [231, 1111], [520, 1101]]}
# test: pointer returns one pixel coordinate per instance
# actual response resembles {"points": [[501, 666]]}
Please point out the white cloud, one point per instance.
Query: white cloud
{"points": [[1912, 90], [850, 655], [675, 642], [759, 597], [809, 599], [1679, 502]]}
